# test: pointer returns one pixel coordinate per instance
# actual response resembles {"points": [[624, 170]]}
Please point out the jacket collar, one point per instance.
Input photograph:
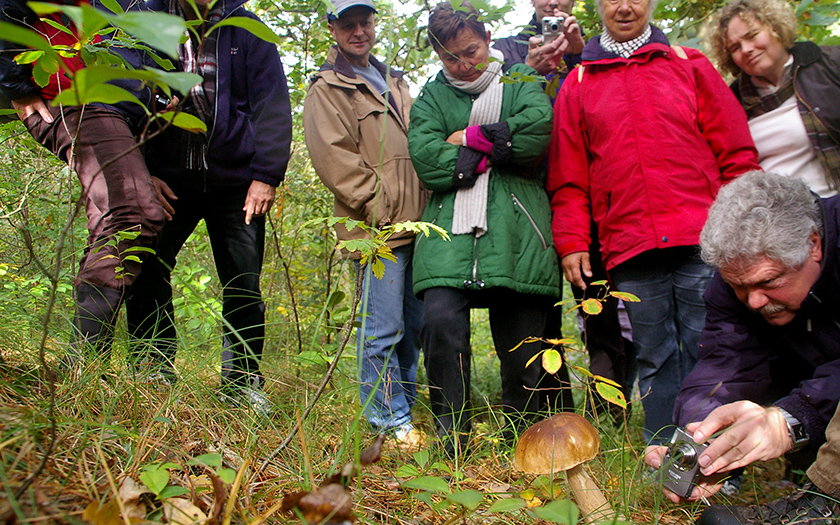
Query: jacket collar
{"points": [[337, 62], [338, 65], [826, 287], [805, 53], [593, 50]]}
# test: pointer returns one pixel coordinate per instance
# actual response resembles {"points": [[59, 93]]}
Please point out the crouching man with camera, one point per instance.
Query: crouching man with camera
{"points": [[765, 383]]}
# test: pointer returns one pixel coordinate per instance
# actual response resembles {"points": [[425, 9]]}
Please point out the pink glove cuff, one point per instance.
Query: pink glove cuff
{"points": [[476, 140]]}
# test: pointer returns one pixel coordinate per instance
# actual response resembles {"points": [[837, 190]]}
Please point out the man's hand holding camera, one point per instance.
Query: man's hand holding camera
{"points": [[752, 433], [545, 57]]}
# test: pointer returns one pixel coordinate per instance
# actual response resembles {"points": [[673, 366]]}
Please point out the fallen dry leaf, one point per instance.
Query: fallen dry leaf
{"points": [[183, 512], [130, 490], [333, 501], [109, 512]]}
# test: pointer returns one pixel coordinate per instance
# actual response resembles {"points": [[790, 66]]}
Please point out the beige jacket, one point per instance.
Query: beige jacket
{"points": [[369, 172]]}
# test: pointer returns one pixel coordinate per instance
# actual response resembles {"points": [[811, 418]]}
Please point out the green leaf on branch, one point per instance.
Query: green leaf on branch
{"points": [[534, 358], [144, 249], [611, 393], [428, 483], [526, 341], [552, 361], [177, 80], [591, 306], [559, 342], [112, 6], [601, 282], [102, 93], [625, 296], [255, 27], [582, 371], [469, 499], [184, 121], [86, 19], [162, 31], [559, 511], [506, 505], [25, 37], [28, 57]]}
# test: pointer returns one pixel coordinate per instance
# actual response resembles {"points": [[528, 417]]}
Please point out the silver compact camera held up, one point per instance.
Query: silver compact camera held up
{"points": [[680, 470], [552, 27]]}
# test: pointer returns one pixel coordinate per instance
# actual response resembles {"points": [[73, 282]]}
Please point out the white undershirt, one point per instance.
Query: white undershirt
{"points": [[783, 144]]}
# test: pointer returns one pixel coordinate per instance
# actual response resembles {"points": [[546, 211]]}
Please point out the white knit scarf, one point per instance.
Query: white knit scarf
{"points": [[470, 213]]}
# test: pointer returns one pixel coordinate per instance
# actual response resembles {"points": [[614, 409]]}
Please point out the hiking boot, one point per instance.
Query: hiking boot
{"points": [[805, 506]]}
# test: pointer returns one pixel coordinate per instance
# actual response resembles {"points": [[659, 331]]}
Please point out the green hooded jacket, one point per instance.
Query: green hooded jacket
{"points": [[517, 251]]}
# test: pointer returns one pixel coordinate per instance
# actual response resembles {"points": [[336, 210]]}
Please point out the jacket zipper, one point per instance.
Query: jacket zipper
{"points": [[518, 203]]}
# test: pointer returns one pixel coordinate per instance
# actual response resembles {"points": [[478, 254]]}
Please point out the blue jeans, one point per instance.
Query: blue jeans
{"points": [[238, 254], [389, 341], [666, 326]]}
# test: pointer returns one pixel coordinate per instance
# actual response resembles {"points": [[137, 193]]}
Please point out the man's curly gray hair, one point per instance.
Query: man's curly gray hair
{"points": [[761, 214]]}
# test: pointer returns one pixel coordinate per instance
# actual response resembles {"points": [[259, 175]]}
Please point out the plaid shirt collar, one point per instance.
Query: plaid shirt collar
{"points": [[624, 49]]}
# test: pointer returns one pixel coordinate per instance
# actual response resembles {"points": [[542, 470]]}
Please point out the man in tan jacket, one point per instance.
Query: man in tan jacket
{"points": [[355, 120]]}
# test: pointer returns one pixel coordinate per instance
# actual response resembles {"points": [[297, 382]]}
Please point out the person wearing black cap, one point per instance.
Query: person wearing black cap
{"points": [[355, 121]]}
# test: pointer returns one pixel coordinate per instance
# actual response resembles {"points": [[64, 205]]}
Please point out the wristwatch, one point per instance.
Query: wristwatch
{"points": [[796, 430]]}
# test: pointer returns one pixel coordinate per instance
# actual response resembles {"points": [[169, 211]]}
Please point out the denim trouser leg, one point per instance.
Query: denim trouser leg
{"points": [[666, 326], [389, 342]]}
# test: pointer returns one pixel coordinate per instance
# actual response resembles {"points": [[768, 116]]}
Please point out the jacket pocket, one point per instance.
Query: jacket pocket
{"points": [[518, 204]]}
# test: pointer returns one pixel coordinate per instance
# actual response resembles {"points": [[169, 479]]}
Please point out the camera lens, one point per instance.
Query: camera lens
{"points": [[554, 27], [683, 456]]}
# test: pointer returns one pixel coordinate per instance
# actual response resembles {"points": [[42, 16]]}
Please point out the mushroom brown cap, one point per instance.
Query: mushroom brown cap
{"points": [[559, 443]]}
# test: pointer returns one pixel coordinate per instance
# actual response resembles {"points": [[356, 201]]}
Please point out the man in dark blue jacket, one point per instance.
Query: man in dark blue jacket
{"points": [[765, 383], [99, 142], [226, 176]]}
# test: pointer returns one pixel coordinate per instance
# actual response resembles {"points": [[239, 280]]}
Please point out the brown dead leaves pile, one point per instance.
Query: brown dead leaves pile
{"points": [[332, 502]]}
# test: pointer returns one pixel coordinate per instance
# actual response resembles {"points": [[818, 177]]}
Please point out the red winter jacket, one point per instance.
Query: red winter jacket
{"points": [[646, 142]]}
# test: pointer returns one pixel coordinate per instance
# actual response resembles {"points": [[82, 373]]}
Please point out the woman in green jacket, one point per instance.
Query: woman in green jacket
{"points": [[478, 145]]}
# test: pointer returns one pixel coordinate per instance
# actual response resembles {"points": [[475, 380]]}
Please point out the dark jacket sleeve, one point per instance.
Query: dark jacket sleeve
{"points": [[272, 113], [741, 357], [15, 80], [731, 364]]}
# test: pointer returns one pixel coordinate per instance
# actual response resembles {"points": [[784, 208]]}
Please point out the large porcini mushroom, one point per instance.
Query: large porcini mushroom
{"points": [[564, 442]]}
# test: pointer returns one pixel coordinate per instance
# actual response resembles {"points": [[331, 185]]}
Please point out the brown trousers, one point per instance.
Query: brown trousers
{"points": [[117, 188], [825, 472]]}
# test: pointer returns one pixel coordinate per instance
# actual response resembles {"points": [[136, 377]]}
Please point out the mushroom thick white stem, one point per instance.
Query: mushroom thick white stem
{"points": [[592, 504]]}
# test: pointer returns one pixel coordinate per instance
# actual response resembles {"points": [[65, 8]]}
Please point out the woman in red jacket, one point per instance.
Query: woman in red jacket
{"points": [[644, 136]]}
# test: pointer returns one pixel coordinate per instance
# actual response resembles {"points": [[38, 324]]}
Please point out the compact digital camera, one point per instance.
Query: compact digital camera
{"points": [[552, 27], [680, 469]]}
